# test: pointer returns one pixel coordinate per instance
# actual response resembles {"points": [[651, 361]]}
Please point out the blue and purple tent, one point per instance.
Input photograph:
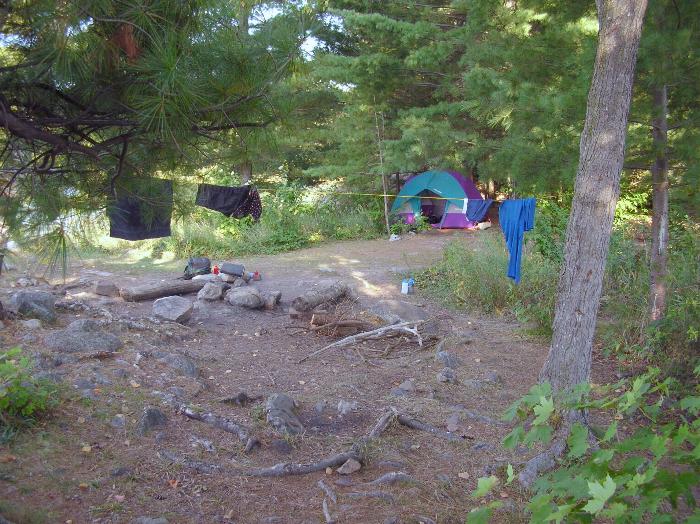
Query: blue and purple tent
{"points": [[440, 195]]}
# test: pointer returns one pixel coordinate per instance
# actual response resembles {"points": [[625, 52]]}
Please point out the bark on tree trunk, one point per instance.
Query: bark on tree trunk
{"points": [[246, 170], [659, 217], [596, 191]]}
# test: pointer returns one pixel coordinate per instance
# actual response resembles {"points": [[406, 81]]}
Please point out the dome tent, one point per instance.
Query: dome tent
{"points": [[448, 210]]}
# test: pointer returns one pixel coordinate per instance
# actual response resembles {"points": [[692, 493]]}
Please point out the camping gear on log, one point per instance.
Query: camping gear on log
{"points": [[229, 268], [161, 289], [197, 266]]}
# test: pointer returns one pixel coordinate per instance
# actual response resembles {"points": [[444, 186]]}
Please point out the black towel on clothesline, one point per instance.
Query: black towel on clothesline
{"points": [[236, 202], [144, 212]]}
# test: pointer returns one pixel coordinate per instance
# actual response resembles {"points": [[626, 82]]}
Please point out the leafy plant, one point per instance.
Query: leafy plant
{"points": [[642, 463], [22, 396]]}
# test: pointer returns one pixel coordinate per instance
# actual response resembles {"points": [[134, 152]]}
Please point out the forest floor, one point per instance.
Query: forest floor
{"points": [[89, 462]]}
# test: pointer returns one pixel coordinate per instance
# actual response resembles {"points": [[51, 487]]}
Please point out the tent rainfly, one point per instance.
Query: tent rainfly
{"points": [[448, 210]]}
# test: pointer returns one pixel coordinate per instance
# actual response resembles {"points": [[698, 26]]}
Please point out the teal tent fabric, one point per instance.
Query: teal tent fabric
{"points": [[442, 183]]}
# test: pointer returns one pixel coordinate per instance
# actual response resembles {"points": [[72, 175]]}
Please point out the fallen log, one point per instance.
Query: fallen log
{"points": [[308, 301], [160, 289], [284, 469]]}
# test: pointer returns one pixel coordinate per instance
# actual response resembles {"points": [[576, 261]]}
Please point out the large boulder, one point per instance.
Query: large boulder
{"points": [[248, 297], [281, 414], [82, 335], [212, 291], [174, 309], [35, 304]]}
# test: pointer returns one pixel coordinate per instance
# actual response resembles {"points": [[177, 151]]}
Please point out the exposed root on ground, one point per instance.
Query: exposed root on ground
{"points": [[222, 423]]}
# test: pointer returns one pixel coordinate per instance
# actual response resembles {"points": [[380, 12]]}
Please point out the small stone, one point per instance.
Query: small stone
{"points": [[174, 309], [329, 471], [320, 407], [463, 475], [211, 292], [443, 477], [118, 421], [120, 471], [106, 288], [453, 422], [33, 323], [447, 375], [408, 386], [345, 407], [350, 466], [398, 392], [392, 520], [493, 378], [282, 446], [482, 446], [179, 363], [447, 359], [152, 418], [476, 385]]}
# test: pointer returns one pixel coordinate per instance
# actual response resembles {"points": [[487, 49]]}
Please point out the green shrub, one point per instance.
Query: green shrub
{"points": [[647, 472], [22, 397]]}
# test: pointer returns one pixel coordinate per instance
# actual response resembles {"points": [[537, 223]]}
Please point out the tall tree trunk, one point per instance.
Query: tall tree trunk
{"points": [[596, 191], [659, 217], [246, 170]]}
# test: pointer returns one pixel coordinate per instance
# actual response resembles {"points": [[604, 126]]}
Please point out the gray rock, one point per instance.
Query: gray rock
{"points": [[174, 309], [345, 407], [408, 386], [392, 520], [282, 446], [211, 291], [106, 288], [2, 325], [120, 471], [33, 323], [272, 299], [179, 363], [237, 282], [493, 378], [473, 384], [149, 520], [447, 375], [248, 297], [82, 336], [118, 421], [482, 446], [320, 407], [350, 466], [35, 304], [152, 418], [272, 520], [281, 414], [447, 359], [398, 392], [444, 477], [453, 421]]}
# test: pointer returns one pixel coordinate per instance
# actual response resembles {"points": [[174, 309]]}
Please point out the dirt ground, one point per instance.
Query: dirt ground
{"points": [[88, 462]]}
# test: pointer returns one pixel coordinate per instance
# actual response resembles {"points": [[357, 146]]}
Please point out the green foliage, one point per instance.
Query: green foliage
{"points": [[631, 475], [399, 227], [22, 397]]}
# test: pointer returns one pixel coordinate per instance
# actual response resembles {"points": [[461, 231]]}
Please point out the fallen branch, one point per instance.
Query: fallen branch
{"points": [[391, 478], [372, 335], [326, 512], [328, 491], [99, 355], [412, 423], [350, 323], [284, 469], [224, 424]]}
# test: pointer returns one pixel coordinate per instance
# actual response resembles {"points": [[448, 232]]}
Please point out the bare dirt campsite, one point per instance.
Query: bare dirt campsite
{"points": [[172, 425]]}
